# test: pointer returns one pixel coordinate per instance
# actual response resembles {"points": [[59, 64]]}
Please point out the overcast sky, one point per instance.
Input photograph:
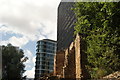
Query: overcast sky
{"points": [[23, 22]]}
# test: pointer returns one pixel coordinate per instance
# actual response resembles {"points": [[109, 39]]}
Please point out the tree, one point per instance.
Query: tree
{"points": [[99, 26], [13, 67]]}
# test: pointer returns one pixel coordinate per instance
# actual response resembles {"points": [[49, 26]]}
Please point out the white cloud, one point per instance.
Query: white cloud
{"points": [[20, 41], [29, 18], [30, 56], [3, 42], [34, 60], [30, 73], [30, 64], [28, 53]]}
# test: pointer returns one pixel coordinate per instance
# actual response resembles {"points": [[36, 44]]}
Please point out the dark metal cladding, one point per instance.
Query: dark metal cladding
{"points": [[65, 25]]}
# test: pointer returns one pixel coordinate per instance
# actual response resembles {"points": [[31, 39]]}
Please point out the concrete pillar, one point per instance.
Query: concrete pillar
{"points": [[65, 62], [78, 58], [54, 73]]}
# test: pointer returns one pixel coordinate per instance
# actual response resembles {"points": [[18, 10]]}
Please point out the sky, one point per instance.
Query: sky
{"points": [[24, 22]]}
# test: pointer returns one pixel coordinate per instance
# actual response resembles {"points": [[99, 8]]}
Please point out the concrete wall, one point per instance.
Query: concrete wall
{"points": [[70, 63], [59, 63], [69, 69], [115, 75]]}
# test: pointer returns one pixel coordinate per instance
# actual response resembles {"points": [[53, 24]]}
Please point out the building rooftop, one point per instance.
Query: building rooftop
{"points": [[48, 40]]}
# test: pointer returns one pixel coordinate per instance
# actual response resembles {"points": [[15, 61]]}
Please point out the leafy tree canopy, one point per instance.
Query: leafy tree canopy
{"points": [[99, 26], [12, 66]]}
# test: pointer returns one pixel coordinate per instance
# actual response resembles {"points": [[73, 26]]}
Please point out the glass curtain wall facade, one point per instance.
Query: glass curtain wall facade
{"points": [[46, 50], [65, 25]]}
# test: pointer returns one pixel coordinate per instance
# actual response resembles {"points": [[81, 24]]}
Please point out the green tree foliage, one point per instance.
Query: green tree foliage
{"points": [[12, 66], [99, 26]]}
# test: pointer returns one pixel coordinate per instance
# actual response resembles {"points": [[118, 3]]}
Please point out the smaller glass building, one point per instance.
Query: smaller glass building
{"points": [[46, 50]]}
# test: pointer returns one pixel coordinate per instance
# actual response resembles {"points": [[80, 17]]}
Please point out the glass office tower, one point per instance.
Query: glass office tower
{"points": [[46, 50], [65, 25]]}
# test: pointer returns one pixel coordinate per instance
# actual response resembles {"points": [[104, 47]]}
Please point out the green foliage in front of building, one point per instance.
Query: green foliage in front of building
{"points": [[12, 66], [98, 23]]}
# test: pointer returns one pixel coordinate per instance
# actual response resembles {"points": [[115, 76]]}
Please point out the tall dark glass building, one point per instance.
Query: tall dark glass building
{"points": [[65, 25], [46, 49]]}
